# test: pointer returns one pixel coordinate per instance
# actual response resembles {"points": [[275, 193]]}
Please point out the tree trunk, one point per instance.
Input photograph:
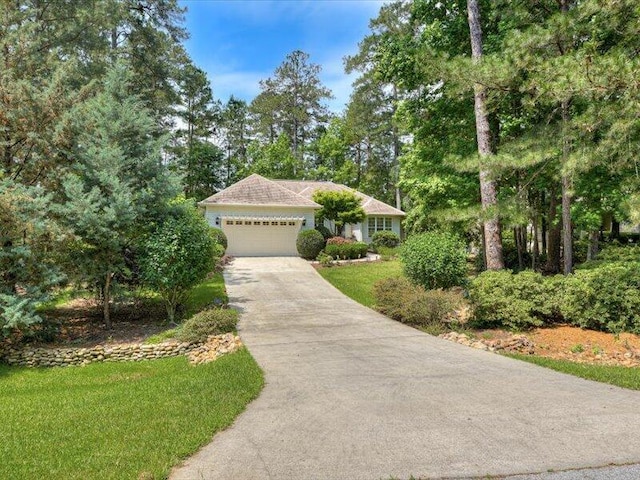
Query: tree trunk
{"points": [[615, 229], [106, 299], [518, 240], [567, 183], [567, 187], [535, 251], [554, 234], [592, 252], [488, 190]]}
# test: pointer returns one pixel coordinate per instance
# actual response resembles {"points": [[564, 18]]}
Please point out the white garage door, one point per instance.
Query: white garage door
{"points": [[261, 237]]}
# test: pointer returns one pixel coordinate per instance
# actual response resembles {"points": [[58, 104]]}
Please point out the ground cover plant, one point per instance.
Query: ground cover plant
{"points": [[117, 420]]}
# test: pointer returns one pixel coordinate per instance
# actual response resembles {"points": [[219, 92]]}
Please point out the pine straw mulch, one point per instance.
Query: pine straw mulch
{"points": [[565, 342]]}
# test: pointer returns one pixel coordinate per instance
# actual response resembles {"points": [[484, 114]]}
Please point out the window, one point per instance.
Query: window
{"points": [[377, 224], [238, 222], [228, 222], [283, 224]]}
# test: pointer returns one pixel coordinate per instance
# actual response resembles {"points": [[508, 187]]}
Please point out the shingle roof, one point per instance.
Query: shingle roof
{"points": [[371, 206], [257, 190]]}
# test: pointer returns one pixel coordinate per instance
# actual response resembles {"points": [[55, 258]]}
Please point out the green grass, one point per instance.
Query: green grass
{"points": [[117, 420], [205, 293], [356, 281], [625, 377]]}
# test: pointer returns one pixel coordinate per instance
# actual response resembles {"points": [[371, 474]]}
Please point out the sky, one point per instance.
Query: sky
{"points": [[240, 42]]}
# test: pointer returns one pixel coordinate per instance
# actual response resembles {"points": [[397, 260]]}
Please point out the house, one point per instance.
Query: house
{"points": [[262, 217]]}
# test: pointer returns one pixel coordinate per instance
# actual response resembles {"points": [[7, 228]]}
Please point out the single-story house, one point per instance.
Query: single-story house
{"points": [[262, 217]]}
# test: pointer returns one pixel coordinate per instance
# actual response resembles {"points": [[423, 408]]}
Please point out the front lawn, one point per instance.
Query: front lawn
{"points": [[624, 377], [117, 420], [356, 280]]}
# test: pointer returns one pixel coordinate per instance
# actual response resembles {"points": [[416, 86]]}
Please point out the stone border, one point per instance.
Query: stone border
{"points": [[515, 344], [198, 353]]}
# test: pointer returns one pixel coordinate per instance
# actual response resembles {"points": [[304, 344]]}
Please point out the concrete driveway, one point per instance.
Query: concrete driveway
{"points": [[353, 395]]}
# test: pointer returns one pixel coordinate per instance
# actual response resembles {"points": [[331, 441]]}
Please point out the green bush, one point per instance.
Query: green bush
{"points": [[347, 250], [220, 237], [606, 297], [326, 233], [177, 255], [324, 259], [385, 238], [514, 300], [213, 321], [411, 304], [309, 243], [619, 253], [435, 260]]}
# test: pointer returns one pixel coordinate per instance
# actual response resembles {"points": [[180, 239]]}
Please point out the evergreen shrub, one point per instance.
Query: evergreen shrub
{"points": [[310, 243], [605, 297], [514, 300], [220, 237], [435, 260], [385, 238], [400, 300], [213, 321], [326, 233], [344, 249]]}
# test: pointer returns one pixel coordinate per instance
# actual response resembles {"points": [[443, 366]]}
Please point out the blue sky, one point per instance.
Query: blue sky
{"points": [[240, 42]]}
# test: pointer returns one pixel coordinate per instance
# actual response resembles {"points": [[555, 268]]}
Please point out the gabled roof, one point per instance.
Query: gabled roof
{"points": [[257, 190], [371, 206]]}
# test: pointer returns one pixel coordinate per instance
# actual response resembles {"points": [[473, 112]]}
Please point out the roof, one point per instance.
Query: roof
{"points": [[371, 206], [257, 190]]}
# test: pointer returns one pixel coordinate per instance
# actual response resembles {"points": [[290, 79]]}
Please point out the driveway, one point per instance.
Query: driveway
{"points": [[353, 395]]}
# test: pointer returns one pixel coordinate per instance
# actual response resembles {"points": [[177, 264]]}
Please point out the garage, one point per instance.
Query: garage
{"points": [[261, 236]]}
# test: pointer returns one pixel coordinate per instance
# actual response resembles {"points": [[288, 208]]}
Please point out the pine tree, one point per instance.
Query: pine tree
{"points": [[118, 185]]}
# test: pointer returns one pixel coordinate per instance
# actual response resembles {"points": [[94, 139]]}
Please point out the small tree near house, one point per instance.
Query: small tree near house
{"points": [[177, 255], [340, 207]]}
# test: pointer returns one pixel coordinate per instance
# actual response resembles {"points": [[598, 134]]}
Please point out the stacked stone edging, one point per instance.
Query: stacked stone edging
{"points": [[515, 344], [215, 346]]}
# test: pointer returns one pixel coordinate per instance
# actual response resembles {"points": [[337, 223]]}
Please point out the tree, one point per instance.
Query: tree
{"points": [[178, 254], [117, 186], [203, 170], [27, 270], [291, 103], [274, 160], [235, 129], [341, 207], [488, 193]]}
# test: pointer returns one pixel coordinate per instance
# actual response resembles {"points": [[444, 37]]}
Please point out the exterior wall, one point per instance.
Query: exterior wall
{"points": [[395, 226], [361, 230], [214, 211]]}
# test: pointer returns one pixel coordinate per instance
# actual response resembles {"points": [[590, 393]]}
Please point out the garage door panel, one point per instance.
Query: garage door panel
{"points": [[261, 238]]}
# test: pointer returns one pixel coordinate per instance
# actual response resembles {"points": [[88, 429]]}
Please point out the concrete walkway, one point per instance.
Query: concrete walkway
{"points": [[353, 395]]}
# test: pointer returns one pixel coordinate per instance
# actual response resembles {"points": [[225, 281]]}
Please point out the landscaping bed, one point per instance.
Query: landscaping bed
{"points": [[562, 342]]}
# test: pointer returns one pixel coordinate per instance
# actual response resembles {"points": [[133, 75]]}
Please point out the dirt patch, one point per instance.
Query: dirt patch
{"points": [[80, 323], [565, 342]]}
